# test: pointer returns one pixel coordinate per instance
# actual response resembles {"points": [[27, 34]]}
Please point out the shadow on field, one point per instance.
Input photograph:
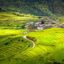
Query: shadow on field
{"points": [[47, 58], [9, 54], [10, 45]]}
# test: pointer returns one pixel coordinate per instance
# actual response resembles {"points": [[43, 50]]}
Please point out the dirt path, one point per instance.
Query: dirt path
{"points": [[33, 44]]}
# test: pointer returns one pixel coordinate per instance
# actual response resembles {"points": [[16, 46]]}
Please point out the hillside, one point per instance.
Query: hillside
{"points": [[15, 20], [16, 13], [49, 46], [31, 31], [37, 7]]}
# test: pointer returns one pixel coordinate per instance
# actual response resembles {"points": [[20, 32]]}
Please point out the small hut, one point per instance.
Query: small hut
{"points": [[43, 23]]}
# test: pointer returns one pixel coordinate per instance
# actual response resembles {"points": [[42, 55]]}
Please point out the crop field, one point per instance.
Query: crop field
{"points": [[18, 45], [49, 46], [31, 31], [15, 20]]}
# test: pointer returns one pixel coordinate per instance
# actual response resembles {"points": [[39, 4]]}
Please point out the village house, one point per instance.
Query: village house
{"points": [[40, 25]]}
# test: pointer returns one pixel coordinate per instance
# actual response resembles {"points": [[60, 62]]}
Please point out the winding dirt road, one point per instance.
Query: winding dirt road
{"points": [[33, 44]]}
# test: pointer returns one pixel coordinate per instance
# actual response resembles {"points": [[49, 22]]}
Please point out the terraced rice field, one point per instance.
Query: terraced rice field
{"points": [[49, 47], [15, 20]]}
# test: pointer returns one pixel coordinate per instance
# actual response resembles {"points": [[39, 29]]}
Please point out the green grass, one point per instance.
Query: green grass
{"points": [[49, 36], [14, 20], [52, 41], [61, 19], [11, 43], [10, 31], [17, 16], [14, 49], [18, 20]]}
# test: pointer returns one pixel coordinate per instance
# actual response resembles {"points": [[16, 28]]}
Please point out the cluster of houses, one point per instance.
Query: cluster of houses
{"points": [[42, 24]]}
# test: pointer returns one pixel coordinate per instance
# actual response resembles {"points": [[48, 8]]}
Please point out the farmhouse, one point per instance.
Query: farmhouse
{"points": [[41, 24]]}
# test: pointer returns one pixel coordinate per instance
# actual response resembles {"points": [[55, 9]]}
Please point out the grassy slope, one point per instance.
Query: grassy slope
{"points": [[14, 20], [49, 47], [16, 50], [9, 19], [18, 16], [61, 19], [11, 43]]}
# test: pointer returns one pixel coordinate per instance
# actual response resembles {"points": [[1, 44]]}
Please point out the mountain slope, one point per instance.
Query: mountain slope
{"points": [[55, 6]]}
